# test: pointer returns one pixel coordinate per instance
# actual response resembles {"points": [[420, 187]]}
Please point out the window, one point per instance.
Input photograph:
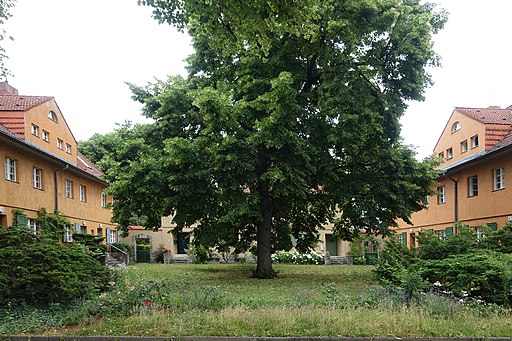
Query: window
{"points": [[441, 155], [111, 236], [69, 189], [68, 148], [464, 146], [473, 186], [46, 136], [83, 193], [37, 178], [499, 178], [35, 130], [10, 169], [34, 225], [441, 195], [59, 143], [68, 235], [455, 127], [474, 141], [449, 153], [103, 199], [52, 115]]}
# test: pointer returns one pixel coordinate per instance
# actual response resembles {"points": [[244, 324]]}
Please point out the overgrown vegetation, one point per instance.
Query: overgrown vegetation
{"points": [[38, 269], [465, 265], [221, 300]]}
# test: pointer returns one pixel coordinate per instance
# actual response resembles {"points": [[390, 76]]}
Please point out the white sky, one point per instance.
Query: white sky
{"points": [[83, 52]]}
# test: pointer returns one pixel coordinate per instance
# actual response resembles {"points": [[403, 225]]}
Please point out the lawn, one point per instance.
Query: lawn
{"points": [[221, 300]]}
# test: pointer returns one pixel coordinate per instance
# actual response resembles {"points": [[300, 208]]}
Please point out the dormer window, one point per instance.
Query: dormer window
{"points": [[455, 127], [52, 115]]}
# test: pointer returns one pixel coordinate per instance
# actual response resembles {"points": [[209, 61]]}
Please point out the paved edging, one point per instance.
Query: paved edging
{"points": [[235, 338]]}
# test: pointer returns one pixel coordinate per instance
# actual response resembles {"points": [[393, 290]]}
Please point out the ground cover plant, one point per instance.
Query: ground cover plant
{"points": [[221, 300]]}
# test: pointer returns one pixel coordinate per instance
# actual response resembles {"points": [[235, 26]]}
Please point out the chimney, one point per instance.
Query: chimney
{"points": [[6, 89]]}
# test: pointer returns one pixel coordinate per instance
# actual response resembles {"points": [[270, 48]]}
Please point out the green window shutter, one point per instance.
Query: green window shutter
{"points": [[404, 238], [492, 226], [449, 232], [21, 220], [431, 231]]}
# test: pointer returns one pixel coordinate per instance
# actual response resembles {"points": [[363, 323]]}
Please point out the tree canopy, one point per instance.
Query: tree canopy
{"points": [[288, 120], [5, 13]]}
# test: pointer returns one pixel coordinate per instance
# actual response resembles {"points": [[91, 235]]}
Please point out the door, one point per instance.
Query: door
{"points": [[142, 250], [331, 244], [183, 240]]}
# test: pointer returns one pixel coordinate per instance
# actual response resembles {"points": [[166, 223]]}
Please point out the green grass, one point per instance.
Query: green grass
{"points": [[221, 300]]}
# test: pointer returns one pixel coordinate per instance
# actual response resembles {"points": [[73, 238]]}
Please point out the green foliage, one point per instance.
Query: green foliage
{"points": [[433, 247], [39, 269], [481, 274], [5, 13], [92, 245], [158, 254], [289, 115], [200, 253], [394, 259], [128, 248], [53, 224]]}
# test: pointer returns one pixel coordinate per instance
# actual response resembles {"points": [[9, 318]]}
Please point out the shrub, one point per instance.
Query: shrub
{"points": [[287, 257], [394, 258], [41, 270], [483, 274]]}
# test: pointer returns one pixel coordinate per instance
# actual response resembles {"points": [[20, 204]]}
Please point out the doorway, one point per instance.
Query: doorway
{"points": [[331, 244]]}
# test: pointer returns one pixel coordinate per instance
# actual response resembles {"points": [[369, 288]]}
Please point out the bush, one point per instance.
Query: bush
{"points": [[287, 257], [394, 258], [41, 270], [484, 274]]}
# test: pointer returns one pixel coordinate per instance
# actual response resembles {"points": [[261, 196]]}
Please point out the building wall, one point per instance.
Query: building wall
{"points": [[22, 194], [57, 130], [449, 139]]}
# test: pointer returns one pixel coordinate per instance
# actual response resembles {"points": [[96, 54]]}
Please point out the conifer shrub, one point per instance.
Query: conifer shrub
{"points": [[38, 269]]}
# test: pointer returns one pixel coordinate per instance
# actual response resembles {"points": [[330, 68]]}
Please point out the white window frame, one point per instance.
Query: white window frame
{"points": [[455, 126], [52, 115], [473, 186], [464, 146], [441, 195], [112, 236], [60, 143], [498, 178], [83, 193], [35, 130], [474, 141], [68, 235], [10, 169], [33, 224], [449, 153], [46, 136], [68, 148], [69, 189], [37, 178], [103, 200]]}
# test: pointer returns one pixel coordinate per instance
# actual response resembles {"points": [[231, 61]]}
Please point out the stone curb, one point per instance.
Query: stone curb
{"points": [[235, 338]]}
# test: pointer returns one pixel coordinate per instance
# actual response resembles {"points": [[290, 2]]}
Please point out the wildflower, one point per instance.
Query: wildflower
{"points": [[437, 284], [112, 283], [103, 296], [147, 303]]}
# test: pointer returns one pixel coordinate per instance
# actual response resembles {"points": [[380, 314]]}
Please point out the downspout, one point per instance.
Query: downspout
{"points": [[57, 187], [455, 198]]}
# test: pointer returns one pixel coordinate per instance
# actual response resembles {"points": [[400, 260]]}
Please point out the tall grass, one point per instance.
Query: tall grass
{"points": [[221, 300]]}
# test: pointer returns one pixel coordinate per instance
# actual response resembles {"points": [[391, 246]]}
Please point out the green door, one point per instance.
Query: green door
{"points": [[142, 252], [331, 244], [183, 240]]}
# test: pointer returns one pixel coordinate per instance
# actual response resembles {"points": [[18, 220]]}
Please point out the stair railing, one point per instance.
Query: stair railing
{"points": [[125, 256]]}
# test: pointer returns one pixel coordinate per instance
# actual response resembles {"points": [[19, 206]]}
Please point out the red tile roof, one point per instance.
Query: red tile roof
{"points": [[14, 121], [21, 103], [497, 121], [86, 165]]}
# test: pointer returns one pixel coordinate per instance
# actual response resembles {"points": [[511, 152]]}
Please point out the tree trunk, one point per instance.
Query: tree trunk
{"points": [[264, 235]]}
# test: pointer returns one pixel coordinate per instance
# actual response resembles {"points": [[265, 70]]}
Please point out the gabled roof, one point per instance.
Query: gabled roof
{"points": [[86, 165], [14, 121], [490, 115]]}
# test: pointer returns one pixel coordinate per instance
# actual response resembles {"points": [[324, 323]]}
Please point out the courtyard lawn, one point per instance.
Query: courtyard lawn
{"points": [[221, 300]]}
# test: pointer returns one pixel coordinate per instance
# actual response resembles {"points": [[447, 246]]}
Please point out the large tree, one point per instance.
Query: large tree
{"points": [[288, 119]]}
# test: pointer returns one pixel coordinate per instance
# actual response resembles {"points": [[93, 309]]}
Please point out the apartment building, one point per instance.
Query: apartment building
{"points": [[44, 169], [474, 186]]}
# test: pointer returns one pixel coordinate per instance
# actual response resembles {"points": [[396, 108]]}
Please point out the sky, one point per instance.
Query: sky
{"points": [[83, 53]]}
